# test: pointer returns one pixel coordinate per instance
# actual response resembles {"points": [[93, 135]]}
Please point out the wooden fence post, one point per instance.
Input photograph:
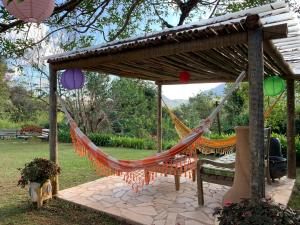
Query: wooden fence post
{"points": [[256, 100], [159, 119], [53, 124], [290, 132]]}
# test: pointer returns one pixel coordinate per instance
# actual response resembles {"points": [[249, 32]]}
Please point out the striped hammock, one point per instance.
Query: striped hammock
{"points": [[211, 146], [133, 171]]}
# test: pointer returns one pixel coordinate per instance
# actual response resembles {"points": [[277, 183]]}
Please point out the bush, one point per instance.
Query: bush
{"points": [[220, 136], [109, 140], [7, 124], [283, 142], [64, 136], [100, 139], [31, 129], [259, 212], [39, 170], [169, 144]]}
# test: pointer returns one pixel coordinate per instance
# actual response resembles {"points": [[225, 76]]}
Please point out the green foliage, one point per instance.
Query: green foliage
{"points": [[133, 108], [220, 136], [121, 141], [64, 136], [235, 112], [283, 141], [26, 106], [7, 124], [109, 140], [257, 212], [39, 170], [5, 103], [198, 107]]}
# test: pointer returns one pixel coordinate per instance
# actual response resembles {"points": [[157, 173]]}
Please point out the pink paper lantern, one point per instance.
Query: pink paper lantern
{"points": [[34, 11], [72, 79]]}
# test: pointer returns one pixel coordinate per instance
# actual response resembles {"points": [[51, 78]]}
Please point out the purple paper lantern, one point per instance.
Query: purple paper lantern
{"points": [[72, 79]]}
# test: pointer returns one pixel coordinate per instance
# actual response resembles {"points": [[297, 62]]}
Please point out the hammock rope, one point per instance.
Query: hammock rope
{"points": [[211, 146], [133, 171]]}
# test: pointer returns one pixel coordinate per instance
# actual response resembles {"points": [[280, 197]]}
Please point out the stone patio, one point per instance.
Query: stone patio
{"points": [[159, 203]]}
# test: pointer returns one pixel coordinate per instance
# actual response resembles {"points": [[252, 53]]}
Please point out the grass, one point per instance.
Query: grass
{"points": [[14, 205]]}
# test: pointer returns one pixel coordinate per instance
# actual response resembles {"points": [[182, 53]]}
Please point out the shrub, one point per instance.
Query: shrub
{"points": [[7, 124], [169, 144], [31, 129], [64, 136], [39, 170], [259, 212], [100, 139], [220, 136], [283, 142], [110, 140]]}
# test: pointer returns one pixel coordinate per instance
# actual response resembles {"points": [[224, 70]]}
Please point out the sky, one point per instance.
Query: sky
{"points": [[185, 91]]}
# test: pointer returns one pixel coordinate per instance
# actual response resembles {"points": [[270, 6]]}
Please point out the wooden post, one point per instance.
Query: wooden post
{"points": [[159, 116], [256, 100], [290, 132], [218, 120], [53, 124]]}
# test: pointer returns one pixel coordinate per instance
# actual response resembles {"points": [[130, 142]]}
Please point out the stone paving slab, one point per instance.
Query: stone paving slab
{"points": [[159, 203]]}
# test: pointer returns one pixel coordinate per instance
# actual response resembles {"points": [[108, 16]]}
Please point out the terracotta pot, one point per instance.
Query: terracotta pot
{"points": [[40, 193], [241, 184]]}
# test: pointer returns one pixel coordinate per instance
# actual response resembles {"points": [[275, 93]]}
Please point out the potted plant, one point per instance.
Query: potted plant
{"points": [[263, 211], [37, 175]]}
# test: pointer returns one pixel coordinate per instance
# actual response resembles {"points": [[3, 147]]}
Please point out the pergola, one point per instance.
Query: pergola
{"points": [[263, 40]]}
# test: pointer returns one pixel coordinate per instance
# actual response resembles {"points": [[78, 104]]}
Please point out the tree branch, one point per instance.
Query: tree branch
{"points": [[127, 19], [164, 22]]}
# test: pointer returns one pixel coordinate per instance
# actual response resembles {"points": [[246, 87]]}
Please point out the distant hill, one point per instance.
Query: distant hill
{"points": [[217, 91], [173, 103]]}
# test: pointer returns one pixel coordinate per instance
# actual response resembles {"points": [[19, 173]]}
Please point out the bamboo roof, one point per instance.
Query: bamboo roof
{"points": [[212, 50]]}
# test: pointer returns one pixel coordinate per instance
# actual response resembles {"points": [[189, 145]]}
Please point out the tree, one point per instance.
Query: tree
{"points": [[90, 104], [108, 20], [133, 107], [5, 103], [198, 108], [25, 106], [235, 112]]}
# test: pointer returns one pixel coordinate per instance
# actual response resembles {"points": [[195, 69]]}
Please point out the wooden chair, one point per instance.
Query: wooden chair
{"points": [[176, 167], [221, 171]]}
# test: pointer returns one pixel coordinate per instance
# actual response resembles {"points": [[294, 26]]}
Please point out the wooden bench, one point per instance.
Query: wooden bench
{"points": [[45, 135], [176, 167], [8, 133]]}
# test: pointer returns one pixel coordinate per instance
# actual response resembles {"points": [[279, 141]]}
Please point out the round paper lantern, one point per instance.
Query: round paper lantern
{"points": [[273, 86], [34, 11], [184, 76], [72, 79]]}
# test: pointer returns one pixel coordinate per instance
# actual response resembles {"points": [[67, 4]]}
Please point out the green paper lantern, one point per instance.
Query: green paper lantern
{"points": [[273, 86]]}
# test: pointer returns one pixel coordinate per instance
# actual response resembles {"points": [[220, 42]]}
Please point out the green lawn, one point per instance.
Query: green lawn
{"points": [[14, 205]]}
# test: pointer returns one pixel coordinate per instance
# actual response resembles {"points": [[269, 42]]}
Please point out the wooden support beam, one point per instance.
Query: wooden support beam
{"points": [[270, 48], [53, 124], [290, 133], [275, 32], [159, 119], [256, 100]]}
